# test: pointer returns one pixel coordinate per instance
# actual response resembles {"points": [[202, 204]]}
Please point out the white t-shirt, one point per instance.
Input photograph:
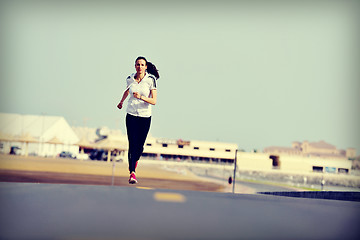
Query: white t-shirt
{"points": [[137, 107]]}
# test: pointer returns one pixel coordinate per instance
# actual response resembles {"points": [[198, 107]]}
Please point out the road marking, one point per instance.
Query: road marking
{"points": [[169, 197], [146, 188]]}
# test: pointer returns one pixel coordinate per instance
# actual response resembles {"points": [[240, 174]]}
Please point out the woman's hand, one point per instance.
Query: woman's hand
{"points": [[151, 100], [137, 95], [119, 106], [125, 94]]}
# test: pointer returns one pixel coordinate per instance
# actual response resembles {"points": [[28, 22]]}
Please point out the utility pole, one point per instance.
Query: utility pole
{"points": [[235, 163]]}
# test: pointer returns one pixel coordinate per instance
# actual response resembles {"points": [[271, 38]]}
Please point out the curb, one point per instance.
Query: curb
{"points": [[331, 195]]}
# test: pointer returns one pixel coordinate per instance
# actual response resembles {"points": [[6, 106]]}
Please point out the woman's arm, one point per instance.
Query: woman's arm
{"points": [[126, 93], [151, 100]]}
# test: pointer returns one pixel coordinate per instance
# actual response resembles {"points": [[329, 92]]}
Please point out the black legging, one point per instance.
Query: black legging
{"points": [[137, 129]]}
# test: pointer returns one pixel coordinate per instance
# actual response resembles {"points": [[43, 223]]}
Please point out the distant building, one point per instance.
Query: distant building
{"points": [[308, 157], [164, 148], [49, 135], [178, 149], [36, 134], [286, 163], [312, 149]]}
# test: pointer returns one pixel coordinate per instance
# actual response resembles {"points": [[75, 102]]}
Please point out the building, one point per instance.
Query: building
{"points": [[313, 149], [49, 135], [36, 134], [181, 150], [285, 163], [306, 157], [163, 149]]}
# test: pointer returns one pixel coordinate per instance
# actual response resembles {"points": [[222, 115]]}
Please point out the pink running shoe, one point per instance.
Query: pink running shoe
{"points": [[132, 179]]}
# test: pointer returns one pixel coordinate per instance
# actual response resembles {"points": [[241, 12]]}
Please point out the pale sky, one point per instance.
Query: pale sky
{"points": [[255, 73]]}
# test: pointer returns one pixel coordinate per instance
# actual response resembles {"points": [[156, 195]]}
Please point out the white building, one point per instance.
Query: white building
{"points": [[313, 149], [286, 163], [177, 149], [37, 134]]}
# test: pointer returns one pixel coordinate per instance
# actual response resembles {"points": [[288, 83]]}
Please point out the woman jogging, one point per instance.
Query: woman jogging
{"points": [[141, 86]]}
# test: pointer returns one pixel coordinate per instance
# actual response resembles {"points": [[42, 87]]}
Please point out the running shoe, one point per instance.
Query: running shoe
{"points": [[132, 179]]}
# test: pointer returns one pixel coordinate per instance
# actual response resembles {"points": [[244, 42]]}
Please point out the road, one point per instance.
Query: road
{"points": [[64, 211]]}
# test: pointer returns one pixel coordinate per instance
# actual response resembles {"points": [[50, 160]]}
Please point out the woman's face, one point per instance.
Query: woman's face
{"points": [[140, 66]]}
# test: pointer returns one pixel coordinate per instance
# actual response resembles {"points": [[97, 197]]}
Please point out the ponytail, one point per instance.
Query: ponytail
{"points": [[151, 68]]}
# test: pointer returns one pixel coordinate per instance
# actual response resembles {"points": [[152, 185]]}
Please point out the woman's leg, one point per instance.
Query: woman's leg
{"points": [[137, 130], [131, 130], [143, 130]]}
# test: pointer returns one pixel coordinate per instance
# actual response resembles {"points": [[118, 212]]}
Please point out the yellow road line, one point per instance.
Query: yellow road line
{"points": [[169, 197], [146, 188]]}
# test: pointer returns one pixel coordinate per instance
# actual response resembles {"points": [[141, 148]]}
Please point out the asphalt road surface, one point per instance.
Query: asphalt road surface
{"points": [[61, 211]]}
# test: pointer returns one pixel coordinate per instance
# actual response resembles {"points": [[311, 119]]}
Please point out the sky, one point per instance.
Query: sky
{"points": [[255, 73]]}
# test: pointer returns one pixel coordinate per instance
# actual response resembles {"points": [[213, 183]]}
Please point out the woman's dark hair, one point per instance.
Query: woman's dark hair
{"points": [[151, 68]]}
